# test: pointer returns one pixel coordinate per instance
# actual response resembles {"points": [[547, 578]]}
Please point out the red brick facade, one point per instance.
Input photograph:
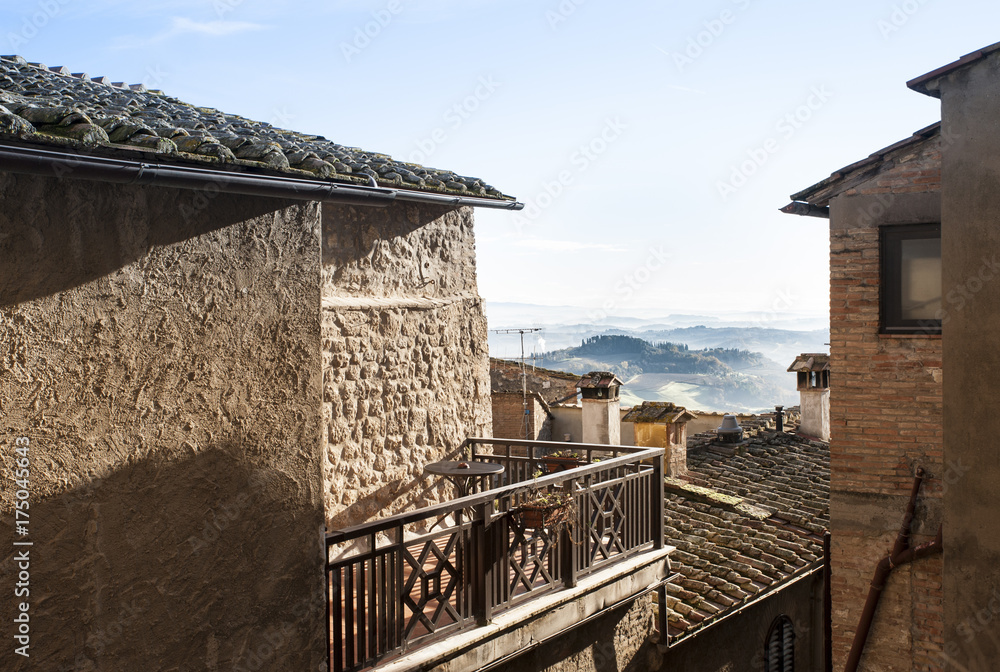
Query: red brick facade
{"points": [[886, 420], [511, 422]]}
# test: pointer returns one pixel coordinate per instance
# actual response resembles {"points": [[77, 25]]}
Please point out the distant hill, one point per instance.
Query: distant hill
{"points": [[710, 379]]}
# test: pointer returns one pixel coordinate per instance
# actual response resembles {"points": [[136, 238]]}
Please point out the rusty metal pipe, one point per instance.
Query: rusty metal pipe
{"points": [[827, 607], [901, 554]]}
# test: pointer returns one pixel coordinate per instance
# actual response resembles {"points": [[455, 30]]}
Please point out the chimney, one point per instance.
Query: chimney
{"points": [[813, 371], [601, 419], [661, 424]]}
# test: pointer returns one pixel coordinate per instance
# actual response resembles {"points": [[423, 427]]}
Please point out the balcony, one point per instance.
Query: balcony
{"points": [[439, 583]]}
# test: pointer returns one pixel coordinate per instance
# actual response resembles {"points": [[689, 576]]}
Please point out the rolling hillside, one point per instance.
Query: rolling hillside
{"points": [[711, 379]]}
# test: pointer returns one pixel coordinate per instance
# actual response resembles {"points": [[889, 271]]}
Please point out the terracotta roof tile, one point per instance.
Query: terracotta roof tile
{"points": [[725, 557], [51, 106]]}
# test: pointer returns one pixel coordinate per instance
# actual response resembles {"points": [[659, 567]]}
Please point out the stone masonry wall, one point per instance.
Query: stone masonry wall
{"points": [[885, 407], [166, 372], [405, 359], [617, 640]]}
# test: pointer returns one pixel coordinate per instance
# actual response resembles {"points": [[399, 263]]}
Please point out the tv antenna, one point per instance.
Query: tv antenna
{"points": [[524, 373]]}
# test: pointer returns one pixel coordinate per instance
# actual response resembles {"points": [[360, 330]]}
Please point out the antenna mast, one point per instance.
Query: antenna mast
{"points": [[524, 372]]}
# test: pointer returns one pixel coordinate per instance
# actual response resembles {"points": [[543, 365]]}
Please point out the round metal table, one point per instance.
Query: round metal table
{"points": [[463, 476]]}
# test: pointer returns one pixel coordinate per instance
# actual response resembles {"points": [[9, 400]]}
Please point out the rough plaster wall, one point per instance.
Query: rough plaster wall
{"points": [[615, 642], [970, 239], [167, 373], [815, 407], [601, 422], [406, 365]]}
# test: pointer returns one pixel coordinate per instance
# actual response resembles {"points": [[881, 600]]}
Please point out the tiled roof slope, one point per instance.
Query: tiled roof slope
{"points": [[747, 519], [52, 106]]}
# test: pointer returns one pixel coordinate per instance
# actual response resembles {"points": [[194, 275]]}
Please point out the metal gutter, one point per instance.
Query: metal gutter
{"points": [[35, 161]]}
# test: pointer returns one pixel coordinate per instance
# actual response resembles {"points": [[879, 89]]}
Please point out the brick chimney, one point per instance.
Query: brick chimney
{"points": [[661, 424], [601, 417], [813, 370]]}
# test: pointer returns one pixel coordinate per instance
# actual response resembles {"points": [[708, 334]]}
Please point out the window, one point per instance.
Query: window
{"points": [[779, 652], [911, 279]]}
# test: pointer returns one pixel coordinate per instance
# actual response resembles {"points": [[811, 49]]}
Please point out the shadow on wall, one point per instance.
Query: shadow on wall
{"points": [[372, 506], [594, 646], [195, 562], [84, 234], [350, 236]]}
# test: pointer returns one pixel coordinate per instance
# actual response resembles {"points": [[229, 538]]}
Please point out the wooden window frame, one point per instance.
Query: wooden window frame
{"points": [[890, 255]]}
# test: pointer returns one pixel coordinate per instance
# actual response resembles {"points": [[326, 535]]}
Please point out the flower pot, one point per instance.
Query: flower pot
{"points": [[546, 514], [556, 464]]}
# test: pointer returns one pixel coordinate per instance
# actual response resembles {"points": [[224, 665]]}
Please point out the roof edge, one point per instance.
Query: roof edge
{"points": [[810, 194], [927, 83]]}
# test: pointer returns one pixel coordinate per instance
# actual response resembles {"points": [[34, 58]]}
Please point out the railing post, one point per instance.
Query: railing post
{"points": [[481, 581], [659, 529], [570, 551]]}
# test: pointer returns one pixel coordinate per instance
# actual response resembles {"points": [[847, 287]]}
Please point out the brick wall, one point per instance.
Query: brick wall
{"points": [[885, 407], [505, 376], [509, 420]]}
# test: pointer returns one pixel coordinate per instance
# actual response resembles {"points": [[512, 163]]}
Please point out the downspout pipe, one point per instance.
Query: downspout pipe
{"points": [[827, 606], [31, 160], [901, 554]]}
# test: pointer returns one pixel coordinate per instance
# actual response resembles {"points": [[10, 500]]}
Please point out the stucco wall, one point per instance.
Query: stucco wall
{"points": [[601, 422], [815, 409], [166, 371], [405, 360], [885, 409], [970, 239]]}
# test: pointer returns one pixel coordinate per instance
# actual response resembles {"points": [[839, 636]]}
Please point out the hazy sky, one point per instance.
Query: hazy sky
{"points": [[653, 143]]}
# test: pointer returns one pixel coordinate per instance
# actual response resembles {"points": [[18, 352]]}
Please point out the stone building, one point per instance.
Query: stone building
{"points": [[555, 387], [216, 336], [912, 228], [663, 425], [519, 415]]}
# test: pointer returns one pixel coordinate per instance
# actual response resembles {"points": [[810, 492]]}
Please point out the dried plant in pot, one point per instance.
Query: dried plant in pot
{"points": [[550, 511], [561, 460]]}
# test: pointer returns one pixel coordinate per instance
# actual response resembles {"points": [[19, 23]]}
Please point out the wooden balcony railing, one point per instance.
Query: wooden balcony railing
{"points": [[408, 580]]}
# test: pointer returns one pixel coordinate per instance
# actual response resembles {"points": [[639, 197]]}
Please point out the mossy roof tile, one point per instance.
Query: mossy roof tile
{"points": [[54, 107]]}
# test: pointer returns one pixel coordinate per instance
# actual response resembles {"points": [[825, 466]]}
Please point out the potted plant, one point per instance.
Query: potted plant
{"points": [[547, 511], [561, 460]]}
